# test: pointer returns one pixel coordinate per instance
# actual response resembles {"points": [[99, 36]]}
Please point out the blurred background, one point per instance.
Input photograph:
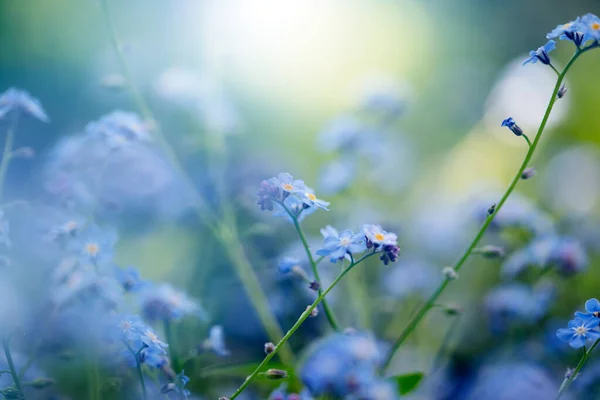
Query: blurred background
{"points": [[391, 110]]}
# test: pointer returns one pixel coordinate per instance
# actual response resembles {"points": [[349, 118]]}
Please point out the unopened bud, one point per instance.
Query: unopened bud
{"points": [[562, 91], [41, 383], [11, 393], [223, 398], [314, 285], [492, 209], [490, 251], [313, 313], [269, 348], [169, 387], [276, 374], [452, 309], [450, 273], [528, 173]]}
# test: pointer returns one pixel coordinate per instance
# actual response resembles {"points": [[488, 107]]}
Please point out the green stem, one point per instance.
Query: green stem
{"points": [[414, 322], [527, 139], [313, 266], [7, 152], [140, 372], [171, 342], [11, 367], [224, 233], [293, 329], [567, 382]]}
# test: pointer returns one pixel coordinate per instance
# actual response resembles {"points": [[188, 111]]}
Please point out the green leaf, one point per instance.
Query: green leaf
{"points": [[408, 382]]}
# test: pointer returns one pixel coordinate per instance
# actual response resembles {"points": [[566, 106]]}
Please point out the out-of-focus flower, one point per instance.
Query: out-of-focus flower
{"points": [[411, 277], [343, 134], [268, 193], [337, 175], [512, 125], [541, 54], [384, 100], [287, 264], [309, 198], [566, 254], [338, 246], [517, 303], [579, 332], [94, 245], [129, 278], [163, 302], [119, 128], [341, 365], [281, 393], [216, 341], [181, 380], [16, 100], [592, 306], [296, 206]]}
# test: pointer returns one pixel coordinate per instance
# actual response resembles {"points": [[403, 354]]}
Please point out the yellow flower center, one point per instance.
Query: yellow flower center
{"points": [[311, 196], [92, 249], [152, 336], [344, 241], [567, 25], [71, 226], [288, 186], [125, 325], [596, 26], [379, 236]]}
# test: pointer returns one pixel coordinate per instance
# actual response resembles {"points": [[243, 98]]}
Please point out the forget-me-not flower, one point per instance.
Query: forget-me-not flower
{"points": [[216, 341], [16, 100], [541, 54], [337, 246], [592, 306], [573, 31], [592, 26], [579, 331], [512, 125]]}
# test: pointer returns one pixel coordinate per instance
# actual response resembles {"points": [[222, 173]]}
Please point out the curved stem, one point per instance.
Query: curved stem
{"points": [[11, 367], [567, 382], [527, 139], [313, 266], [293, 329], [414, 322], [223, 231], [136, 355]]}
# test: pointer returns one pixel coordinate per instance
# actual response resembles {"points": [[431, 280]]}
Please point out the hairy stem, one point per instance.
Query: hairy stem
{"points": [[568, 380], [414, 322], [295, 327]]}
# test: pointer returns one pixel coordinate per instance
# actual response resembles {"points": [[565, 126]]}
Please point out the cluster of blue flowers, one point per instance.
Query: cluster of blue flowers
{"points": [[584, 327]]}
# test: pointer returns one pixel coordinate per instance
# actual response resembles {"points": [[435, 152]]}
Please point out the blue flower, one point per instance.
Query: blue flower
{"points": [[337, 175], [130, 329], [382, 241], [268, 194], [216, 341], [129, 278], [592, 26], [592, 306], [163, 302], [178, 386], [154, 357], [337, 246], [579, 332], [288, 184], [512, 125], [573, 31], [286, 264], [344, 133], [119, 128], [541, 54], [309, 198], [20, 101], [94, 246], [296, 206]]}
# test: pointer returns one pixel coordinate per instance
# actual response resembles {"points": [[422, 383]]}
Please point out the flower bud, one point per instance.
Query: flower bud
{"points": [[512, 125], [562, 91], [528, 173], [10, 393], [452, 309], [276, 374], [492, 209], [490, 251], [450, 273], [269, 347], [314, 285], [41, 383]]}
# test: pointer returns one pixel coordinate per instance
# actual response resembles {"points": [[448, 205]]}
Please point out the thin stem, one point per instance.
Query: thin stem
{"points": [[567, 382], [11, 367], [527, 139], [414, 322], [7, 152], [313, 266], [293, 329], [171, 342], [136, 355], [554, 69], [225, 233]]}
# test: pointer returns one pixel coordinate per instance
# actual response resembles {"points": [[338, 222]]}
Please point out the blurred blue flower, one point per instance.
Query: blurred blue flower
{"points": [[377, 389], [518, 212], [286, 264], [339, 246], [296, 206], [130, 329], [411, 277], [343, 134], [592, 306], [152, 356], [119, 128], [337, 175], [268, 194], [573, 31], [341, 365], [163, 302], [541, 54], [178, 386], [566, 254], [385, 100], [579, 332], [512, 125], [216, 341], [20, 101], [281, 393], [592, 26], [94, 245], [517, 303], [309, 198], [129, 278]]}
